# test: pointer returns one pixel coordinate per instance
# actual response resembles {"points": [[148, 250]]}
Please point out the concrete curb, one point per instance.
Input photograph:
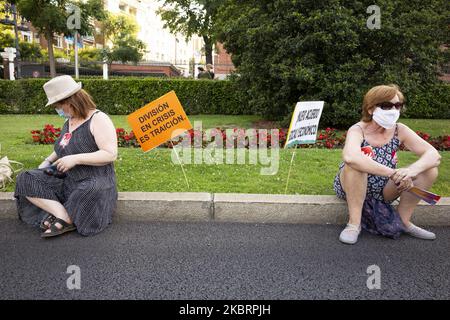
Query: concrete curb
{"points": [[235, 207]]}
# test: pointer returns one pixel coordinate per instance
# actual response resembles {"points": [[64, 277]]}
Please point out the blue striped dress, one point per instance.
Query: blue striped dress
{"points": [[88, 193]]}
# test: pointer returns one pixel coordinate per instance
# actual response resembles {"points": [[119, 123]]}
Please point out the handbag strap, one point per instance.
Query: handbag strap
{"points": [[16, 162]]}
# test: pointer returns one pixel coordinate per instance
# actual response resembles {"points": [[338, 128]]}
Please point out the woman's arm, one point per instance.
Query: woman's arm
{"points": [[106, 140], [354, 158], [105, 136], [429, 157], [49, 160]]}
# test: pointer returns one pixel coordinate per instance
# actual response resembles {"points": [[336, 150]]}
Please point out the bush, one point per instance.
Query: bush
{"points": [[123, 96], [429, 103], [323, 50]]}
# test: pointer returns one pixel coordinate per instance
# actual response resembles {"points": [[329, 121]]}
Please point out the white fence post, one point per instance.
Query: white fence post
{"points": [[10, 54]]}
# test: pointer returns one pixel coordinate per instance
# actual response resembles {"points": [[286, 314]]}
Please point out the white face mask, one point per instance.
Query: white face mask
{"points": [[386, 118]]}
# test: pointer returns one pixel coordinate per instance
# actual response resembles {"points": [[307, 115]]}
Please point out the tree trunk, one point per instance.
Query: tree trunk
{"points": [[51, 56], [208, 49]]}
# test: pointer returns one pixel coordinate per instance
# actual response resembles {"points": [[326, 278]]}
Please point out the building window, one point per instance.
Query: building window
{"points": [[122, 6], [133, 11], [27, 37], [57, 41]]}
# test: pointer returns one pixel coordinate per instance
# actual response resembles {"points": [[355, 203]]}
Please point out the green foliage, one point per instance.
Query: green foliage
{"points": [[50, 17], [123, 96], [6, 36], [88, 54], [125, 50], [30, 51], [291, 50], [133, 164], [122, 30], [429, 103], [118, 26], [57, 53], [192, 18], [27, 50]]}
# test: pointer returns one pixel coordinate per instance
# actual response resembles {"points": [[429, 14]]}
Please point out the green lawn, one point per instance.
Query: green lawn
{"points": [[431, 126], [313, 169], [15, 129]]}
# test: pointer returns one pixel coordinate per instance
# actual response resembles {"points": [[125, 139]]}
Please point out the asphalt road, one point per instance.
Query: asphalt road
{"points": [[143, 260]]}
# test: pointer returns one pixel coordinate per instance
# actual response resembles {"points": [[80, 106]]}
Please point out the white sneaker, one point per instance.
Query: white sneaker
{"points": [[350, 234], [420, 233]]}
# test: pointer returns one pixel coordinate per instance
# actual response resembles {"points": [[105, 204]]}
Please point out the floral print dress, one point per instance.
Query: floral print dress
{"points": [[378, 215]]}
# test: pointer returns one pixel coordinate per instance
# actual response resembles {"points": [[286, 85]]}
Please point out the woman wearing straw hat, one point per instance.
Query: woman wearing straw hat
{"points": [[75, 187]]}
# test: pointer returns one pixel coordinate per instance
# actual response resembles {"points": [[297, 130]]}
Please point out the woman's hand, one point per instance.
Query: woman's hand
{"points": [[66, 163], [44, 164], [403, 174], [404, 185]]}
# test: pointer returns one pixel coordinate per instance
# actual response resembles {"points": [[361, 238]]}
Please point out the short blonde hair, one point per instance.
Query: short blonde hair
{"points": [[377, 95], [80, 102]]}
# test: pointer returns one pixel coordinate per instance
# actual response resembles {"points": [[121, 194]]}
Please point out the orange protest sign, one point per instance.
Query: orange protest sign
{"points": [[159, 121]]}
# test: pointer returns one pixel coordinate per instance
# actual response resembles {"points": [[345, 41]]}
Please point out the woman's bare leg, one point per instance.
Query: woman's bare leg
{"points": [[408, 202], [53, 207], [354, 183]]}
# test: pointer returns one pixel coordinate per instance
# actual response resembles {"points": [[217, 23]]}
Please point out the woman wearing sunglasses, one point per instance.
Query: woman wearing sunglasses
{"points": [[368, 178]]}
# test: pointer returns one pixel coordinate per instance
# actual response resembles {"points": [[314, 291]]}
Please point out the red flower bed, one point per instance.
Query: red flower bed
{"points": [[125, 139], [329, 138], [48, 135], [441, 143]]}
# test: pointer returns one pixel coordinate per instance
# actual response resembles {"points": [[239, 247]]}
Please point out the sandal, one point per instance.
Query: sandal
{"points": [[55, 231], [48, 218]]}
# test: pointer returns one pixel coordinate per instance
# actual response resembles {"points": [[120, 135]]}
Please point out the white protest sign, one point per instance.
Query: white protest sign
{"points": [[304, 123]]}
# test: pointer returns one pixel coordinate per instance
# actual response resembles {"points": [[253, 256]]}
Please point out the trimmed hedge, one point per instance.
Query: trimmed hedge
{"points": [[429, 103], [123, 96]]}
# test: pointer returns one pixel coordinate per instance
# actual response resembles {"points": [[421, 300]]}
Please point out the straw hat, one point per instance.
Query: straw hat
{"points": [[59, 88]]}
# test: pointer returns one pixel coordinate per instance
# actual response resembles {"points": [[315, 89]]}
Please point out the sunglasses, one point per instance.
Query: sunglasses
{"points": [[390, 105]]}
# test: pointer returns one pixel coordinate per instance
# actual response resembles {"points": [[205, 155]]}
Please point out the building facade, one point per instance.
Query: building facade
{"points": [[162, 45]]}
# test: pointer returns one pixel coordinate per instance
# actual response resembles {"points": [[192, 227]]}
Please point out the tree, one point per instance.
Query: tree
{"points": [[192, 18], [27, 50], [128, 50], [291, 50], [51, 16], [122, 31]]}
